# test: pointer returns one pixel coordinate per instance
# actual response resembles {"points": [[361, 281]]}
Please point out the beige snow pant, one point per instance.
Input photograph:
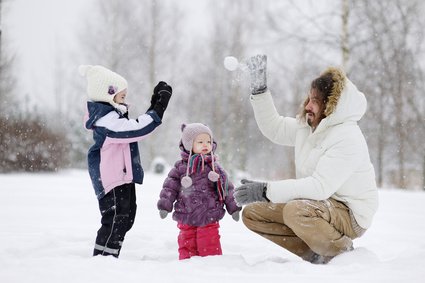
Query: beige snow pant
{"points": [[303, 227]]}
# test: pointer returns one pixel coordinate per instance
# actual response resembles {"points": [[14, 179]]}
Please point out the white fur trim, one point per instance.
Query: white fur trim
{"points": [[121, 108]]}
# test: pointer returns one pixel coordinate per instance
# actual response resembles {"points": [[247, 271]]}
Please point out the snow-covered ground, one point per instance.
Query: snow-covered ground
{"points": [[48, 224]]}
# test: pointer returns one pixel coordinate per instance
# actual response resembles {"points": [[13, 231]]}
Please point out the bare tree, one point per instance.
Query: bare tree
{"points": [[26, 144], [345, 33], [378, 43], [165, 60], [141, 41], [218, 97], [7, 78], [386, 47]]}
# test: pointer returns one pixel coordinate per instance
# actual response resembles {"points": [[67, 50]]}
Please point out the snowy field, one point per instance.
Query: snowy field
{"points": [[48, 224]]}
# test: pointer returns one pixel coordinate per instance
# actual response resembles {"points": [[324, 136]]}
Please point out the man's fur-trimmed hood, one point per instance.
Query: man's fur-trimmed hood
{"points": [[346, 102]]}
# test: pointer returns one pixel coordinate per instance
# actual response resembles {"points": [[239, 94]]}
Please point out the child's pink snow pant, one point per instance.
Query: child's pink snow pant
{"points": [[198, 241]]}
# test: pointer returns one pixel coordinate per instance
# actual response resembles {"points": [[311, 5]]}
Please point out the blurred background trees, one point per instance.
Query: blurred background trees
{"points": [[380, 44], [26, 142]]}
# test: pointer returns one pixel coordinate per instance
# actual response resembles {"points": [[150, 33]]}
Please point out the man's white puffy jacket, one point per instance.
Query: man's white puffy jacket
{"points": [[331, 162]]}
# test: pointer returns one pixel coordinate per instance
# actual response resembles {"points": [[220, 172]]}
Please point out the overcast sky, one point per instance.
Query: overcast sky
{"points": [[37, 30], [33, 30]]}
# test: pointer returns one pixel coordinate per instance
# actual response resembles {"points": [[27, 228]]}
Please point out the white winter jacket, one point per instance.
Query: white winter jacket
{"points": [[331, 162]]}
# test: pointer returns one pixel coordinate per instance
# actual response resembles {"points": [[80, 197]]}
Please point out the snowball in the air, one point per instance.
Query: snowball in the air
{"points": [[231, 63]]}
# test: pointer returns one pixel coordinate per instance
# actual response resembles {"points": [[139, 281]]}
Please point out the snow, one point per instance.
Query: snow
{"points": [[49, 223], [231, 63]]}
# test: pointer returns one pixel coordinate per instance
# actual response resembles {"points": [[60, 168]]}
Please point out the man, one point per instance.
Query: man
{"points": [[334, 196]]}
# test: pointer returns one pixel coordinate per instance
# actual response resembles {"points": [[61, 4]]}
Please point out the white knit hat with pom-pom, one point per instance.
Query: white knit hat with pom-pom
{"points": [[189, 133], [103, 84]]}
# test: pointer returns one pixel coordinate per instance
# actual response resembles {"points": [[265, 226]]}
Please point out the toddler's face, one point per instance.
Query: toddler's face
{"points": [[202, 144], [120, 96]]}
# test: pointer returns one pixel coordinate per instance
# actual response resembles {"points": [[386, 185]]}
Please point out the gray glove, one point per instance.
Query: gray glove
{"points": [[257, 66], [163, 213], [250, 191], [235, 215]]}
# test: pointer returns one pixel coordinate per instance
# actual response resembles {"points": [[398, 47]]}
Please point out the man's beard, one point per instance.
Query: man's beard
{"points": [[309, 118]]}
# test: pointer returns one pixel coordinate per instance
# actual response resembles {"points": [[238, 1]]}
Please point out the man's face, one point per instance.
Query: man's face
{"points": [[315, 108]]}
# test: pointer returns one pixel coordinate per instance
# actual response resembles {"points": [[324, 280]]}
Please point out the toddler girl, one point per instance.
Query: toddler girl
{"points": [[199, 189]]}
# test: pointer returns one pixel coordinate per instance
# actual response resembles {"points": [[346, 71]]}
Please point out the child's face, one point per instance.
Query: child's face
{"points": [[202, 144], [120, 96]]}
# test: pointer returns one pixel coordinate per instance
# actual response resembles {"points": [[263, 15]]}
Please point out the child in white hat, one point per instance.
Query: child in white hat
{"points": [[199, 190], [114, 161]]}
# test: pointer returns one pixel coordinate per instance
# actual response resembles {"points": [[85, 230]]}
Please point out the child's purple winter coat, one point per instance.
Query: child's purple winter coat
{"points": [[199, 204]]}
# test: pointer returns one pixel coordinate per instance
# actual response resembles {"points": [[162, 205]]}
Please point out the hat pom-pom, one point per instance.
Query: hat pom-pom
{"points": [[213, 176], [82, 69], [182, 127], [186, 182]]}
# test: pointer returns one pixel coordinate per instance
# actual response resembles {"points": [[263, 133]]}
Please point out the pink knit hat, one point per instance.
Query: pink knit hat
{"points": [[189, 133]]}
